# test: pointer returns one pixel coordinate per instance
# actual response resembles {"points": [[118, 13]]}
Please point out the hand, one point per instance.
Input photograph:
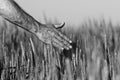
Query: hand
{"points": [[13, 13], [50, 34]]}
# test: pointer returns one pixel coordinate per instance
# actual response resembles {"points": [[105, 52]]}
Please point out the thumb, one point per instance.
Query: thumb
{"points": [[59, 27]]}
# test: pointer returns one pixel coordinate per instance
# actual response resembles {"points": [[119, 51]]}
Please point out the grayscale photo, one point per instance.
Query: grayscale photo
{"points": [[59, 40]]}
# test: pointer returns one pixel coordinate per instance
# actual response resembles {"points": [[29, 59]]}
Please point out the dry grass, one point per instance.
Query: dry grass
{"points": [[95, 54]]}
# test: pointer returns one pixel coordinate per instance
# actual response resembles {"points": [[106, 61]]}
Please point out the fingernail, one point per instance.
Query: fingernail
{"points": [[67, 48], [70, 47], [70, 41], [62, 48]]}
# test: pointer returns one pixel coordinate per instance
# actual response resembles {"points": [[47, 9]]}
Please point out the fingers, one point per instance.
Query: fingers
{"points": [[64, 37], [57, 45], [61, 43]]}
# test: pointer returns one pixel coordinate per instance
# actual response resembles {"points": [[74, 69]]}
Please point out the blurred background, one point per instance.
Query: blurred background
{"points": [[96, 42], [73, 11]]}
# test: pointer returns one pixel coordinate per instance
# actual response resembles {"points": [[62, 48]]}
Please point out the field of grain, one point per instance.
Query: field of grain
{"points": [[95, 54]]}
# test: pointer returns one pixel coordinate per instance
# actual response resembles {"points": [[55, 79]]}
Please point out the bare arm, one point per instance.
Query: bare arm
{"points": [[11, 11], [48, 34]]}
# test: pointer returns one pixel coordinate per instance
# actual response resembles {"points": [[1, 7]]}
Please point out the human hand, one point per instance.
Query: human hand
{"points": [[50, 34]]}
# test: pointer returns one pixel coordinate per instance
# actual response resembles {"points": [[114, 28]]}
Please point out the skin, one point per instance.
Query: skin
{"points": [[47, 33]]}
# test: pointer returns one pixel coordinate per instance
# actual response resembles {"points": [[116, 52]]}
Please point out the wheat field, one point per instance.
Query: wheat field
{"points": [[95, 54]]}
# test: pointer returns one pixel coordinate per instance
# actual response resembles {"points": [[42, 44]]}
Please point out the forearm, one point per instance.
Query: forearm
{"points": [[13, 13]]}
